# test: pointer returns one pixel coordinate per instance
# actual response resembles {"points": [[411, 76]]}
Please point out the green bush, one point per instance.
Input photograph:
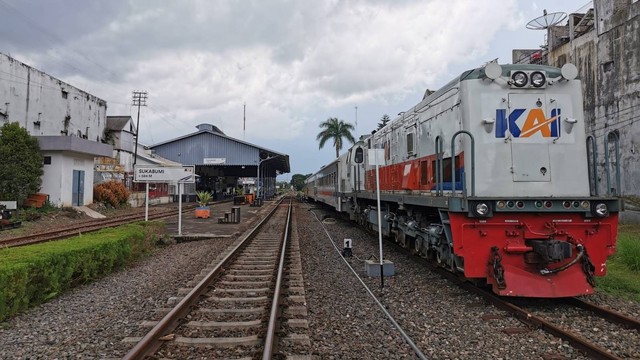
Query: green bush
{"points": [[33, 274], [32, 213], [622, 269], [628, 251]]}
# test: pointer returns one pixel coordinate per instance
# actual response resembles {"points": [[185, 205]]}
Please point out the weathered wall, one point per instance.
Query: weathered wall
{"points": [[45, 105], [608, 61]]}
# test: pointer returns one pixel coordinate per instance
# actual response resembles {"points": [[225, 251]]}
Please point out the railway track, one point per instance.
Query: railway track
{"points": [[235, 310], [552, 316], [84, 227], [560, 318]]}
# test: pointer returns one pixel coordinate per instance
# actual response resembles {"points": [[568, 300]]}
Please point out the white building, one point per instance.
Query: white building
{"points": [[121, 133], [68, 122]]}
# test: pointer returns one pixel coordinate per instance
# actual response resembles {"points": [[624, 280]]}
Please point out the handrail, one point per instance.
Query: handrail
{"points": [[453, 163], [607, 165], [592, 166], [439, 170]]}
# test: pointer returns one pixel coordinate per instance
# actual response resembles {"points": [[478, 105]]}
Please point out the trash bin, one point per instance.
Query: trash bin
{"points": [[235, 214]]}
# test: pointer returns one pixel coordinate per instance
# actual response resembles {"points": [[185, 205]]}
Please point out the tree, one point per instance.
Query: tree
{"points": [[20, 163], [383, 121], [297, 181], [335, 129]]}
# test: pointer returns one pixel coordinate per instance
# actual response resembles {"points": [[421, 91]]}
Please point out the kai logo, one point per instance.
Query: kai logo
{"points": [[521, 123]]}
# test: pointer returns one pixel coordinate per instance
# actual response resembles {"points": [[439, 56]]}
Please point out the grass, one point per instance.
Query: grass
{"points": [[623, 269]]}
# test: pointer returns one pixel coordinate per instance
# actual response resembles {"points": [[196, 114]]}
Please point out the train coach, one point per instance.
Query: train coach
{"points": [[492, 176]]}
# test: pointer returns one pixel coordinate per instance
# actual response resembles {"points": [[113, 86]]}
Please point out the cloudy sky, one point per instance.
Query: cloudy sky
{"points": [[293, 63]]}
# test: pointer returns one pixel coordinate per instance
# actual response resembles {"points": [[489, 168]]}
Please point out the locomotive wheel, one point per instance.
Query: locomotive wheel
{"points": [[401, 238], [417, 245]]}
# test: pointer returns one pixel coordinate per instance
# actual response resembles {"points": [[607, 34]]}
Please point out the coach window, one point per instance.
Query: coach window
{"points": [[410, 150]]}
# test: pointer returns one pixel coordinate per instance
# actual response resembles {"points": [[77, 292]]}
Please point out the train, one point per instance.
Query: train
{"points": [[492, 177]]}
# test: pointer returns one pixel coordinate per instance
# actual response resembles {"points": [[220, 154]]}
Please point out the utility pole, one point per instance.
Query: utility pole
{"points": [[139, 99], [244, 120]]}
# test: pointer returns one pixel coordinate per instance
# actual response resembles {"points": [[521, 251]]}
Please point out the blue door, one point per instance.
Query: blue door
{"points": [[77, 193]]}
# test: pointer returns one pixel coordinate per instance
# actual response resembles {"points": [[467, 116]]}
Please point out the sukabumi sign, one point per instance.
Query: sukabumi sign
{"points": [[164, 174]]}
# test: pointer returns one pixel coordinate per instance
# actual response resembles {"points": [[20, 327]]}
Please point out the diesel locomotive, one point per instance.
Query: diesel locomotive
{"points": [[493, 177]]}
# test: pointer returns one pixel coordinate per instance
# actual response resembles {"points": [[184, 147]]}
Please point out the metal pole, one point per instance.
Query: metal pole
{"points": [[135, 149], [139, 99], [146, 203], [258, 181], [379, 219], [180, 209]]}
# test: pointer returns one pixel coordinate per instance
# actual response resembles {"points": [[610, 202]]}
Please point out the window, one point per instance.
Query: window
{"points": [[47, 160], [410, 144], [65, 94]]}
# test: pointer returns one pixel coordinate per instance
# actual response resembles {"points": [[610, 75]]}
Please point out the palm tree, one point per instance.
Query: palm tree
{"points": [[335, 129]]}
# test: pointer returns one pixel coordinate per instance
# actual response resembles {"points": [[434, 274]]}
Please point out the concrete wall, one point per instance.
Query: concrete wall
{"points": [[608, 61], [45, 105]]}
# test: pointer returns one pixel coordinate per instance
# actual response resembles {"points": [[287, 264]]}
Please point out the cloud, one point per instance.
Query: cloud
{"points": [[293, 63]]}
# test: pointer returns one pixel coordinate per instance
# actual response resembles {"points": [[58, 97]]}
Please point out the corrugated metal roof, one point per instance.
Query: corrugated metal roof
{"points": [[206, 143]]}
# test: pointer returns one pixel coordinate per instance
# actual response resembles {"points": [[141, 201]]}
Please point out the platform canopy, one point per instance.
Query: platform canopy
{"points": [[210, 147]]}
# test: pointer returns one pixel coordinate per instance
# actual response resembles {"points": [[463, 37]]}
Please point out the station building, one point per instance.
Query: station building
{"points": [[224, 165]]}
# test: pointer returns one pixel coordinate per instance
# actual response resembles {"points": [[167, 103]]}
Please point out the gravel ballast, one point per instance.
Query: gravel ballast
{"points": [[90, 321], [444, 321]]}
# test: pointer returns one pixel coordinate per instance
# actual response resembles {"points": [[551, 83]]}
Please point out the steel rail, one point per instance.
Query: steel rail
{"points": [[87, 227], [275, 305], [589, 348], [150, 342], [383, 308], [592, 350], [607, 314]]}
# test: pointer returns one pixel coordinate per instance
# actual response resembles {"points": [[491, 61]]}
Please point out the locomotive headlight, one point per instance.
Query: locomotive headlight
{"points": [[481, 209], [538, 79], [519, 78], [600, 210]]}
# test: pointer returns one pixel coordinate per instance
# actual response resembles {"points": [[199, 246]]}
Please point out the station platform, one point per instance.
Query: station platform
{"points": [[194, 228]]}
